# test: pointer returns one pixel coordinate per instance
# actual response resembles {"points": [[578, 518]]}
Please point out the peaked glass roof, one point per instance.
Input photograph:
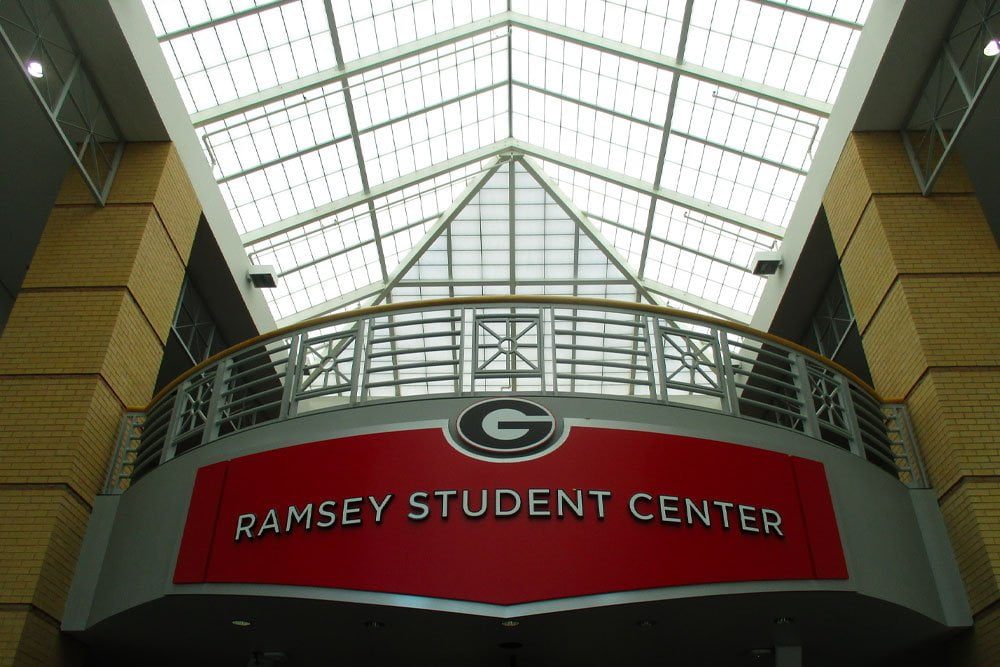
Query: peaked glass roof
{"points": [[379, 150]]}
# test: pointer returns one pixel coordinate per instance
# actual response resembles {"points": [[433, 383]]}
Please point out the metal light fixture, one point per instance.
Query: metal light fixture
{"points": [[263, 276], [766, 263]]}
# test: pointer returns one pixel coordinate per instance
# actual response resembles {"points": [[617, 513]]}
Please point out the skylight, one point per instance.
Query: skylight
{"points": [[360, 145]]}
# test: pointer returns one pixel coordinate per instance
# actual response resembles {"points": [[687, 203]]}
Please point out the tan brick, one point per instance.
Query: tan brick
{"points": [[923, 274], [57, 430], [85, 337]]}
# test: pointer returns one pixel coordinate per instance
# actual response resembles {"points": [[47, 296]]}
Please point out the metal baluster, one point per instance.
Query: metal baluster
{"points": [[555, 349], [541, 349], [851, 417], [800, 371], [287, 408], [661, 358], [212, 421], [731, 391], [460, 370], [356, 374], [169, 448]]}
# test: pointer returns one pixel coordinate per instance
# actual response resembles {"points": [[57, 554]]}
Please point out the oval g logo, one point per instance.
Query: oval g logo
{"points": [[505, 428]]}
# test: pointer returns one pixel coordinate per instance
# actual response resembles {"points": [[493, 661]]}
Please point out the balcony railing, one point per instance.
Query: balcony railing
{"points": [[533, 345]]}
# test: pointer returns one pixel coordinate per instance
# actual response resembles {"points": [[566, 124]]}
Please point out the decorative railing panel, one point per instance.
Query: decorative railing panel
{"points": [[472, 347]]}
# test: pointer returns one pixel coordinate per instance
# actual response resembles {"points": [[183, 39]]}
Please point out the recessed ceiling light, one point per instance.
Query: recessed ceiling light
{"points": [[34, 69], [510, 622], [240, 623], [992, 48]]}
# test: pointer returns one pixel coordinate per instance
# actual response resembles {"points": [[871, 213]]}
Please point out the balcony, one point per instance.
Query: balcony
{"points": [[548, 346]]}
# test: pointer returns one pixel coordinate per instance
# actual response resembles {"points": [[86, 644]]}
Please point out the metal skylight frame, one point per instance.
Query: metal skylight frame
{"points": [[500, 22]]}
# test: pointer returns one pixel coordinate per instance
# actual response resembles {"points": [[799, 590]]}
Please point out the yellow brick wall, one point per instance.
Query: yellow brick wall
{"points": [[923, 274], [84, 339]]}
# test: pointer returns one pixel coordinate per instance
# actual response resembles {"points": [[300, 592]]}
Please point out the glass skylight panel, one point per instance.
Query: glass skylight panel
{"points": [[333, 256], [276, 131], [405, 216], [597, 196], [340, 258], [765, 44], [369, 26], [591, 76], [738, 151], [550, 254], [655, 26], [292, 186], [288, 162], [230, 59], [705, 257], [431, 107]]}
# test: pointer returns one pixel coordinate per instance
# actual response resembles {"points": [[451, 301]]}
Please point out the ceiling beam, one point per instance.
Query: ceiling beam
{"points": [[332, 305], [383, 189], [506, 19], [222, 20], [352, 122], [696, 301], [506, 283], [668, 124], [443, 222], [808, 13], [583, 223], [491, 150], [365, 130], [660, 61], [354, 68], [686, 201]]}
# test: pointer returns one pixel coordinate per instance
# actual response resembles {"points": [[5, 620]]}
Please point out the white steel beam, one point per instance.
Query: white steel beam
{"points": [[222, 20], [334, 74], [443, 222], [587, 105], [501, 20], [646, 288], [644, 187], [808, 13], [506, 283], [672, 64], [377, 191], [665, 134], [735, 151], [355, 137], [584, 223], [333, 304], [696, 301], [364, 130], [666, 241]]}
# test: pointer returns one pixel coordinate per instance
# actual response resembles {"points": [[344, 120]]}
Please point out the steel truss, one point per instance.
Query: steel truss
{"points": [[952, 91]]}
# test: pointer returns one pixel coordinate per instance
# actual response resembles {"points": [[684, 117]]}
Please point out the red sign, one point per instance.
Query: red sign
{"points": [[609, 510]]}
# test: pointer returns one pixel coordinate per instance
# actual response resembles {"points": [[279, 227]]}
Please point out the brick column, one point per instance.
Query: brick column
{"points": [[85, 339], [923, 275]]}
